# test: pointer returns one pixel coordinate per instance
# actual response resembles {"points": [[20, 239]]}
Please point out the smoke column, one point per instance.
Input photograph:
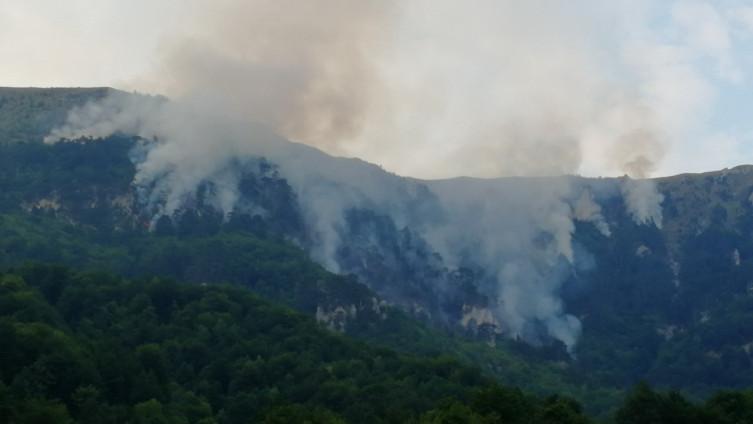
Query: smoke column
{"points": [[433, 88]]}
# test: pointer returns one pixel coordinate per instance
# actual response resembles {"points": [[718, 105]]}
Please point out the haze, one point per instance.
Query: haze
{"points": [[426, 88]]}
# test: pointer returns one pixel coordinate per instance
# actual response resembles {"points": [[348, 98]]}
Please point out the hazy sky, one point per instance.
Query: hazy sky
{"points": [[487, 83]]}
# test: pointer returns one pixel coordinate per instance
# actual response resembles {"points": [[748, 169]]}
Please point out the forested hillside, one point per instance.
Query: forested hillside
{"points": [[83, 347], [72, 204], [282, 273], [667, 302], [667, 305], [96, 348], [28, 114]]}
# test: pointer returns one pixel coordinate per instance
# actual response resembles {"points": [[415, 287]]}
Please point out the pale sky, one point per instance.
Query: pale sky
{"points": [[691, 60]]}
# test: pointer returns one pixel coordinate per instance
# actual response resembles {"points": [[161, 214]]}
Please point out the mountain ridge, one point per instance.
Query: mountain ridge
{"points": [[581, 250], [81, 95]]}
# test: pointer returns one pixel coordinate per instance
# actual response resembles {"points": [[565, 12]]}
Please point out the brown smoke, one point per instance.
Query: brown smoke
{"points": [[428, 88], [303, 68]]}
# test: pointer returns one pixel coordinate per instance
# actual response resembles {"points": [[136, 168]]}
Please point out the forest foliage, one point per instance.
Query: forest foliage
{"points": [[96, 348], [66, 355]]}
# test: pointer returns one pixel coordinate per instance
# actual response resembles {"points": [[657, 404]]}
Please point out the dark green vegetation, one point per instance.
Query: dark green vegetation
{"points": [[279, 272], [671, 306], [28, 114], [642, 406], [72, 204], [645, 406], [95, 348]]}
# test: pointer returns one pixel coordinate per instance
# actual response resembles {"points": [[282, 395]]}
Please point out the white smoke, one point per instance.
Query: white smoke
{"points": [[519, 230], [586, 210], [640, 194], [435, 87], [116, 112], [643, 201]]}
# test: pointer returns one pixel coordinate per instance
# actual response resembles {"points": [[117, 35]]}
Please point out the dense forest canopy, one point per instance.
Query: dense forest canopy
{"points": [[95, 348]]}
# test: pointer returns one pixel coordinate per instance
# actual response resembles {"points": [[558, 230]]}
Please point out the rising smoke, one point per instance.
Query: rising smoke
{"points": [[434, 88]]}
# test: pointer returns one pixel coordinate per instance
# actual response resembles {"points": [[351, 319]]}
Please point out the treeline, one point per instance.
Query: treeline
{"points": [[282, 273], [28, 114], [646, 406], [96, 348], [642, 406]]}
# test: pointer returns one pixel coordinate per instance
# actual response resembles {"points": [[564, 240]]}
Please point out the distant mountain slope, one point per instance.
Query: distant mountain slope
{"points": [[616, 292], [101, 349], [72, 203], [28, 114]]}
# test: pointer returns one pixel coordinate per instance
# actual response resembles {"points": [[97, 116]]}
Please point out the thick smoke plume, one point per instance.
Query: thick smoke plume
{"points": [[431, 88], [587, 210], [499, 88], [643, 201]]}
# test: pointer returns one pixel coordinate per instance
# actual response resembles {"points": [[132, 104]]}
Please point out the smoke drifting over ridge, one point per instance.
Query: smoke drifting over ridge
{"points": [[499, 88], [434, 87]]}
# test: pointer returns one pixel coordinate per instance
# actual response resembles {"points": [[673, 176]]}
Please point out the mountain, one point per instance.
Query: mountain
{"points": [[95, 348], [90, 226], [28, 114], [604, 281]]}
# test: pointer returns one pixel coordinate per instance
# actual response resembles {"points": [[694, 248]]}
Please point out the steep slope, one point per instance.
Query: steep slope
{"points": [[619, 279], [104, 349], [28, 114], [682, 291], [72, 203]]}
